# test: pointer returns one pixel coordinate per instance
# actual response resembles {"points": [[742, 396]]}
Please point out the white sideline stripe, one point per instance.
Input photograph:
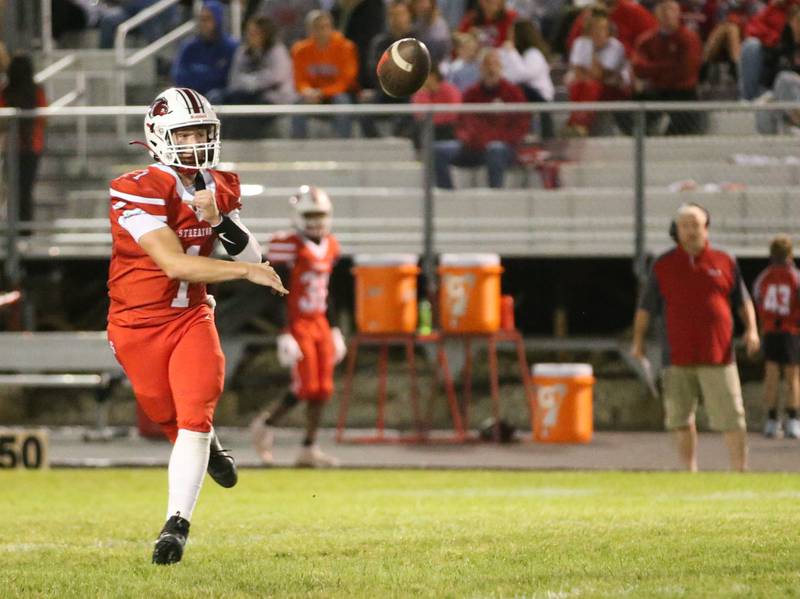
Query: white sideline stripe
{"points": [[280, 257], [137, 199], [282, 246]]}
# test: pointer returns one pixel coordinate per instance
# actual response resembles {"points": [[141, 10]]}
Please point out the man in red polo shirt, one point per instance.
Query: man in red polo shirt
{"points": [[777, 295], [695, 288]]}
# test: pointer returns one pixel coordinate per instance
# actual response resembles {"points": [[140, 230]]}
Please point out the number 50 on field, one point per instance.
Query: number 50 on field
{"points": [[23, 448]]}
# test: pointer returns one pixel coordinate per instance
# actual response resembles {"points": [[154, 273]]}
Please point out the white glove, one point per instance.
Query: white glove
{"points": [[339, 345], [211, 302], [289, 352]]}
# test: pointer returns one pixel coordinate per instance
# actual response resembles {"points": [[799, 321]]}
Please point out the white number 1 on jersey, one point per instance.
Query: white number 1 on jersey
{"points": [[182, 299]]}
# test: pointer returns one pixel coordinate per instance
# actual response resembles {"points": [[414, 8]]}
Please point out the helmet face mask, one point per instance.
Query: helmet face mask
{"points": [[313, 212], [175, 109], [197, 154]]}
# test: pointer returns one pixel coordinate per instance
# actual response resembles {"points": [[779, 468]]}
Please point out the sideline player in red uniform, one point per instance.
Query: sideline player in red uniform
{"points": [[165, 220], [309, 344], [777, 295]]}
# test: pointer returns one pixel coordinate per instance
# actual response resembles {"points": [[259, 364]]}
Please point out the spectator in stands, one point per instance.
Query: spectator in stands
{"points": [[724, 41], [71, 16], [464, 71], [490, 139], [781, 77], [431, 28], [204, 61], [287, 15], [666, 63], [762, 33], [453, 11], [598, 71], [525, 64], [22, 92], [325, 71], [5, 59], [398, 26], [694, 288], [437, 91], [491, 21], [112, 16], [261, 73], [777, 296], [360, 21], [629, 19]]}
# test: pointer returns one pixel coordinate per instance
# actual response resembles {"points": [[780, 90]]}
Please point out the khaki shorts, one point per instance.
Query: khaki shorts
{"points": [[718, 386]]}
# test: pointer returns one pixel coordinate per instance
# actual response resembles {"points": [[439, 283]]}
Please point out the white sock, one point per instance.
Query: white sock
{"points": [[187, 469]]}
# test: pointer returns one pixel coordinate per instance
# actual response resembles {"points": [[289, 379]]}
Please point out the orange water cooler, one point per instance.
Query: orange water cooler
{"points": [[386, 293], [562, 403], [469, 297]]}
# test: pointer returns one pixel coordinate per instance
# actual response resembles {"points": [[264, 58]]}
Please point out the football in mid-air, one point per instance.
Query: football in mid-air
{"points": [[404, 67]]}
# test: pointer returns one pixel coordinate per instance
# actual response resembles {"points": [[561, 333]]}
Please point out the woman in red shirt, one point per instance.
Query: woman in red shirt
{"points": [[22, 92]]}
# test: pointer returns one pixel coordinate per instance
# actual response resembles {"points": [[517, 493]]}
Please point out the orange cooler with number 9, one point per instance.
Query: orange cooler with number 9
{"points": [[386, 293]]}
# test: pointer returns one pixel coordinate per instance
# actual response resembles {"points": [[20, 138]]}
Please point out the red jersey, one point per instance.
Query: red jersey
{"points": [[311, 265], [777, 295], [143, 201]]}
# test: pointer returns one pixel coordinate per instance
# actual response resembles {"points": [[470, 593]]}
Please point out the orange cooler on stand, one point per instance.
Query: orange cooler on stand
{"points": [[562, 410], [386, 293], [469, 297]]}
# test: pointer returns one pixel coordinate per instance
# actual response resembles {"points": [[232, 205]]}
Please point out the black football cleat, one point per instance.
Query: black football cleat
{"points": [[169, 544], [221, 465]]}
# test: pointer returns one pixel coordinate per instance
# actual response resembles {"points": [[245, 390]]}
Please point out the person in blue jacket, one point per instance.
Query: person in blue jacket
{"points": [[203, 62]]}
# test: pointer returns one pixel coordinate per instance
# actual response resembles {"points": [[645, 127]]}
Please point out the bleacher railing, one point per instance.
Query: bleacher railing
{"points": [[624, 183], [125, 62]]}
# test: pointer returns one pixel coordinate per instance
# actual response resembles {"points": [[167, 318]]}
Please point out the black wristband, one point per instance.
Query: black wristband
{"points": [[233, 238]]}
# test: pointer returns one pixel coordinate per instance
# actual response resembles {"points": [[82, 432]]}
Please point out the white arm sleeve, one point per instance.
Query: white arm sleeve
{"points": [[252, 252], [137, 222]]}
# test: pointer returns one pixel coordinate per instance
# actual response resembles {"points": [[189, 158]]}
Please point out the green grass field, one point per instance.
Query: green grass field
{"points": [[283, 533]]}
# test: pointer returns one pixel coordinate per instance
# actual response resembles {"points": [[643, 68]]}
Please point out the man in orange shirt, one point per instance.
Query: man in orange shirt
{"points": [[325, 71]]}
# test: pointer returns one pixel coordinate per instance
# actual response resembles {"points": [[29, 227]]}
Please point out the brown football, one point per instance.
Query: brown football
{"points": [[404, 67]]}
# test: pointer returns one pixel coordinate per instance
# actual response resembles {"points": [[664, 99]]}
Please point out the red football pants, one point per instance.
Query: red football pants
{"points": [[591, 90], [312, 377], [177, 369]]}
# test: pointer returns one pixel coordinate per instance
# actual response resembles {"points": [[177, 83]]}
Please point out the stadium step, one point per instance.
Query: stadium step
{"points": [[288, 150], [701, 147], [616, 174]]}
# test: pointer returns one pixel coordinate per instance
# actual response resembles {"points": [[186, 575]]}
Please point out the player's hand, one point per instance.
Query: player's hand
{"points": [[264, 274], [289, 352], [205, 204], [339, 345], [751, 342]]}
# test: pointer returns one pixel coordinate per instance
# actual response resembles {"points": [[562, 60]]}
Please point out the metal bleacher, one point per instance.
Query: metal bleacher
{"points": [[377, 189]]}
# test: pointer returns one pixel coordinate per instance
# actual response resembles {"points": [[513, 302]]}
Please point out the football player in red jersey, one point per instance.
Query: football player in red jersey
{"points": [[309, 344], [777, 295], [165, 220]]}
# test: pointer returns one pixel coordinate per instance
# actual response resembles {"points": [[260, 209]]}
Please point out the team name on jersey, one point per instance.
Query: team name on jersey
{"points": [[195, 232]]}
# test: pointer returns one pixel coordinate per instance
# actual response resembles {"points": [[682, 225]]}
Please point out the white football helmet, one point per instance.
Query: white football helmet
{"points": [[173, 109], [312, 211]]}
